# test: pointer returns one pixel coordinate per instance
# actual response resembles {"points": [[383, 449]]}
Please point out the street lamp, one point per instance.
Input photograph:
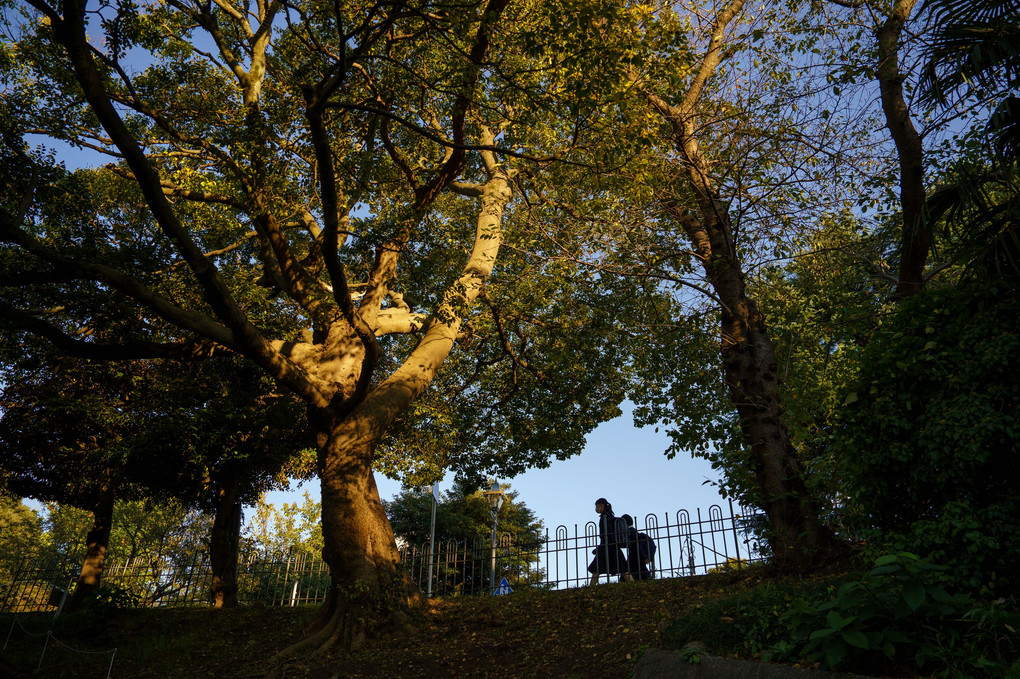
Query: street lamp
{"points": [[432, 535], [495, 497]]}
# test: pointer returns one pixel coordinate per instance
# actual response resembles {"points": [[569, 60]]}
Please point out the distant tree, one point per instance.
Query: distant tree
{"points": [[462, 514], [221, 434], [161, 535], [291, 528], [67, 440], [464, 521], [21, 537]]}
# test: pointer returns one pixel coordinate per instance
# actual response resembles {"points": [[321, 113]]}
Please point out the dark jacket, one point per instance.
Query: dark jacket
{"points": [[609, 558]]}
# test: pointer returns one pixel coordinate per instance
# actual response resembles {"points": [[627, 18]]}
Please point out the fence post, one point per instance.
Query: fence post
{"points": [[286, 576], [736, 541]]}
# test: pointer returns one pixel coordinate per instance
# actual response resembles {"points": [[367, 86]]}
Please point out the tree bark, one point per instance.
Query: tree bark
{"points": [[223, 543], [96, 544], [370, 594]]}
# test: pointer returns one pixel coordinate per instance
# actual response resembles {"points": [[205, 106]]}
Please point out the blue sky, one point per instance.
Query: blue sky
{"points": [[620, 462]]}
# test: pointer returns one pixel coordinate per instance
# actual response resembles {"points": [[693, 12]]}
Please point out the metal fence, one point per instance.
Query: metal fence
{"points": [[686, 545]]}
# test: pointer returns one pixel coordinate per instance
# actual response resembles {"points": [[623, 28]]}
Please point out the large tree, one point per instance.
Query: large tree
{"points": [[316, 162], [709, 196]]}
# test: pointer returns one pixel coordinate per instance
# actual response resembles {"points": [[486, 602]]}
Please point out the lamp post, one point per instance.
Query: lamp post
{"points": [[432, 535], [495, 497]]}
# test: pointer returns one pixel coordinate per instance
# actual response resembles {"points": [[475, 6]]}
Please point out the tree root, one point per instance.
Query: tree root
{"points": [[345, 629]]}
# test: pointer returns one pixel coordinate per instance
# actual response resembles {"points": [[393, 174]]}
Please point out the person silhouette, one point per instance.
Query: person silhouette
{"points": [[638, 565], [609, 558]]}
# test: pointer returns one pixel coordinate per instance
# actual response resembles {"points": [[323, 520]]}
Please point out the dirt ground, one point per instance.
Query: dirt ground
{"points": [[587, 632]]}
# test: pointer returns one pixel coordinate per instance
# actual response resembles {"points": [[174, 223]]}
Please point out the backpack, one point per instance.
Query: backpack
{"points": [[646, 548], [618, 528]]}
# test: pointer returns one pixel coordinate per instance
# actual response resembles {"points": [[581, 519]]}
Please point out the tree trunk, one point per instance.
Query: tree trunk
{"points": [[223, 542], [797, 537], [370, 594], [96, 543], [915, 239]]}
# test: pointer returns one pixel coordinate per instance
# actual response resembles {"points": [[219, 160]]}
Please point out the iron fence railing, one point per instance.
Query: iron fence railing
{"points": [[686, 545]]}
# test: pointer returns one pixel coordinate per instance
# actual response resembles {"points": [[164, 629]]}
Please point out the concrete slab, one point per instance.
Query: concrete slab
{"points": [[659, 664]]}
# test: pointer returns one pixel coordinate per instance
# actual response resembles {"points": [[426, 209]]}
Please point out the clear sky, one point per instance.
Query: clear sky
{"points": [[620, 462]]}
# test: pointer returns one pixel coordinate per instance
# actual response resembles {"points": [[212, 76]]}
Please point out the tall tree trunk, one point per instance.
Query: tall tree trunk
{"points": [[96, 544], [223, 543], [915, 240], [796, 536], [370, 594]]}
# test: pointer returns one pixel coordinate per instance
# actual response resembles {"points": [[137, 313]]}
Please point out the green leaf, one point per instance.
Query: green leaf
{"points": [[834, 653], [887, 559], [913, 594], [855, 638]]}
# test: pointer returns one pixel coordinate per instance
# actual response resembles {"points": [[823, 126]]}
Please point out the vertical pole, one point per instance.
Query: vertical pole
{"points": [[736, 541], [43, 654], [286, 576], [60, 606], [701, 541], [110, 668], [492, 578], [432, 540]]}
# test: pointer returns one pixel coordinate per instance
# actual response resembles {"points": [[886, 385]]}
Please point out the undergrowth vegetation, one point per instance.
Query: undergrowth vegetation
{"points": [[902, 617]]}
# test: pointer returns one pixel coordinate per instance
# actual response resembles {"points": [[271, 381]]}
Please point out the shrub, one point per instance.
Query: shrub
{"points": [[928, 439], [900, 614], [110, 597]]}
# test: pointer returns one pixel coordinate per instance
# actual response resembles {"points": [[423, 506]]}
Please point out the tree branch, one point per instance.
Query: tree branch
{"points": [[78, 348]]}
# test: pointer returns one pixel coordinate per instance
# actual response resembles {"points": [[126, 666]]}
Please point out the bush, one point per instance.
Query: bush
{"points": [[749, 624], [108, 598], [900, 614], [928, 439], [897, 616]]}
